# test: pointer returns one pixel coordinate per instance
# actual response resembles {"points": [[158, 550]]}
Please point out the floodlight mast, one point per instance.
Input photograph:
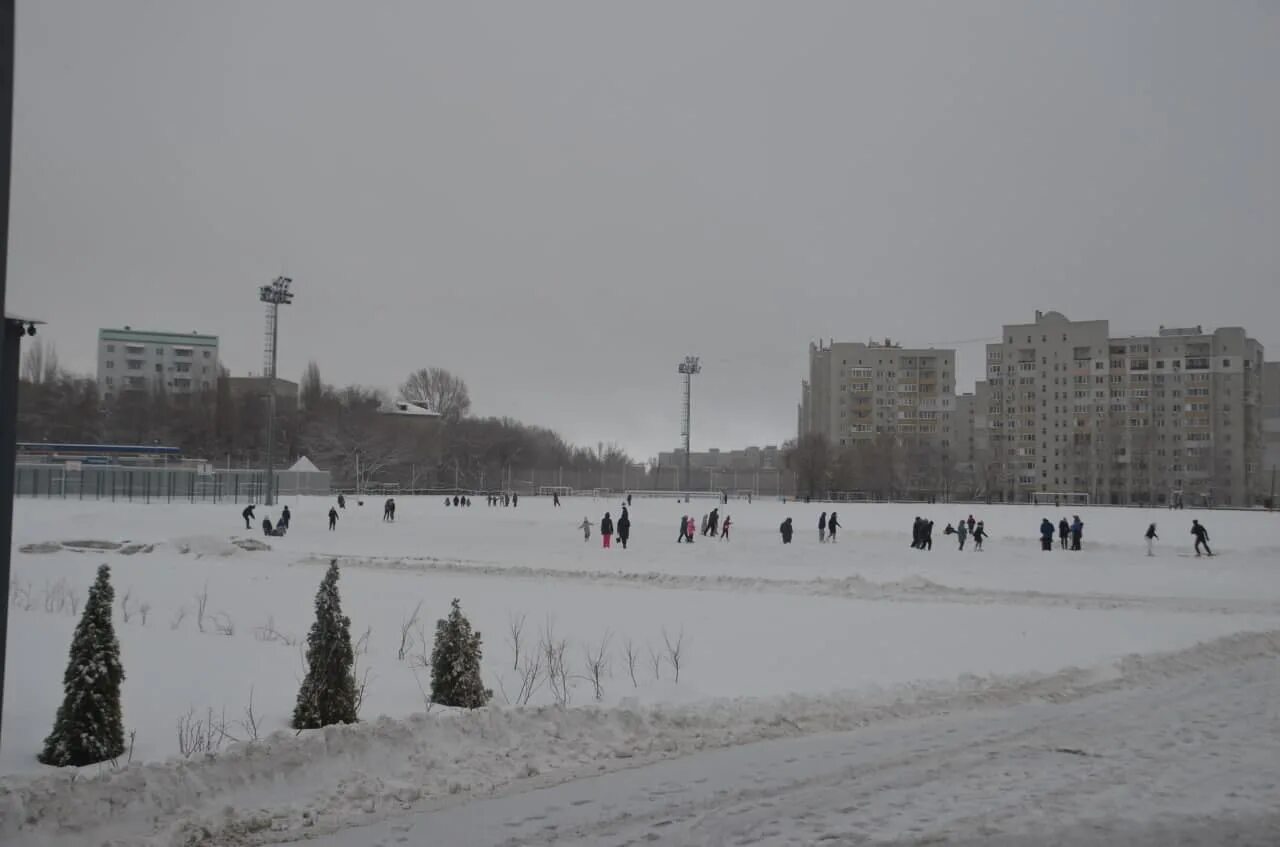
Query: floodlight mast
{"points": [[687, 368], [275, 295]]}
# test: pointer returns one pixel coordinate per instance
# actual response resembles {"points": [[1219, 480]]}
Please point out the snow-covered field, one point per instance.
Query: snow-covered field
{"points": [[776, 642]]}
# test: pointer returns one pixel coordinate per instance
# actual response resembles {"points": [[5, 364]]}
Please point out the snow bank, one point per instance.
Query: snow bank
{"points": [[341, 776]]}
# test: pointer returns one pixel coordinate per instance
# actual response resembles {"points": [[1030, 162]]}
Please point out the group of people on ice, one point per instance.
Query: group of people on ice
{"points": [[1069, 533], [608, 528], [963, 530], [278, 529], [710, 526]]}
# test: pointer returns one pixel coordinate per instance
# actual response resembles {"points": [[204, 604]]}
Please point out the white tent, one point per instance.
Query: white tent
{"points": [[304, 465]]}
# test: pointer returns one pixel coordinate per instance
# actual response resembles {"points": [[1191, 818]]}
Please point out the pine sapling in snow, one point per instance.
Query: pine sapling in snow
{"points": [[455, 664], [328, 693], [89, 727]]}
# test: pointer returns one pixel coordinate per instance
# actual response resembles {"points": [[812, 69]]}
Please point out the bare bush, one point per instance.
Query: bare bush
{"points": [[531, 680], [406, 632], [268, 633], [675, 651], [362, 643], [201, 735], [126, 605], [143, 611], [60, 598], [20, 596], [655, 661], [223, 624], [632, 656], [552, 651], [202, 605], [515, 637], [178, 618], [249, 724], [598, 664]]}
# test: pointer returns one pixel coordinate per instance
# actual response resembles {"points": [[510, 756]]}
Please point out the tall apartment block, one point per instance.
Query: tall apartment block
{"points": [[1271, 430], [1147, 419], [177, 363], [857, 391]]}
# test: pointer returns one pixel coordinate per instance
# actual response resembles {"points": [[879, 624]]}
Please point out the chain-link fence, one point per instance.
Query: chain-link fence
{"points": [[161, 485]]}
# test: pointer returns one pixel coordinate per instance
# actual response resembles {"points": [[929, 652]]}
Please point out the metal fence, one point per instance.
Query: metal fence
{"points": [[160, 485]]}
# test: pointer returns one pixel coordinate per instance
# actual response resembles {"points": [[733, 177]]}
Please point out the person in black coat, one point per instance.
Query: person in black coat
{"points": [[1202, 537], [785, 530], [832, 526], [1064, 531], [684, 527], [606, 530], [917, 533], [624, 528], [822, 527], [285, 517], [1046, 534], [342, 502], [926, 535], [333, 519], [248, 515], [266, 526]]}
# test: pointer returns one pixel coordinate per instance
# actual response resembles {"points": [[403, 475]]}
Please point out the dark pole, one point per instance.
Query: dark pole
{"points": [[13, 333]]}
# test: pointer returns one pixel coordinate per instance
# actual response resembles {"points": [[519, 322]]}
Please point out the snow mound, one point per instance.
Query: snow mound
{"points": [[206, 545], [124, 548], [326, 779]]}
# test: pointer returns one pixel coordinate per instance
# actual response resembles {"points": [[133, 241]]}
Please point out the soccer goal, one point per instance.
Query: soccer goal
{"points": [[548, 490], [1060, 498]]}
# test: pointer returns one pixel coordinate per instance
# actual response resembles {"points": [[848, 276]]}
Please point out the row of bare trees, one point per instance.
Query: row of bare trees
{"points": [[887, 466], [342, 429]]}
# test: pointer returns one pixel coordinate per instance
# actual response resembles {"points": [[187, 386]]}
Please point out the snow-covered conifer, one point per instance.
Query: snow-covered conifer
{"points": [[89, 727], [455, 664], [328, 693]]}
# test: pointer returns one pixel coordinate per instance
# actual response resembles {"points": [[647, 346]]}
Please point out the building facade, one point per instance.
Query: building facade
{"points": [[175, 363], [1145, 419], [766, 458], [858, 391], [1271, 430]]}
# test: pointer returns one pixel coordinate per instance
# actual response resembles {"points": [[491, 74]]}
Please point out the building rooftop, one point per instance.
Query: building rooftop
{"points": [[157, 337]]}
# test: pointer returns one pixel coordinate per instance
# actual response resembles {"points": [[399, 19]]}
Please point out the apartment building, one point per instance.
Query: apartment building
{"points": [[766, 458], [857, 391], [1144, 419], [1271, 428], [177, 363]]}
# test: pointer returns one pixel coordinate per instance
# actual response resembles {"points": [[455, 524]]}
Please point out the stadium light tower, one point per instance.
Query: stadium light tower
{"points": [[688, 368], [275, 295]]}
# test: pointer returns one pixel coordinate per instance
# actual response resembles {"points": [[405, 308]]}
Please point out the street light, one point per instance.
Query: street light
{"points": [[688, 368], [275, 295]]}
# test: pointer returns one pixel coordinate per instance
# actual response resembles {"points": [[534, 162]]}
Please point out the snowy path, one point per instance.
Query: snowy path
{"points": [[1192, 760]]}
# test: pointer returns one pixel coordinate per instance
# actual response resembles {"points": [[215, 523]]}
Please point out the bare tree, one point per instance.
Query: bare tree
{"points": [[675, 651], [40, 365], [250, 722], [655, 662], [202, 603], [311, 391], [552, 650], [515, 636], [406, 632], [438, 390], [632, 656], [597, 660], [810, 460]]}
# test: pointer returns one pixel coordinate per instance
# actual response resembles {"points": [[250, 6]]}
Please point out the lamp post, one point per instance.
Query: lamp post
{"points": [[275, 295], [687, 368]]}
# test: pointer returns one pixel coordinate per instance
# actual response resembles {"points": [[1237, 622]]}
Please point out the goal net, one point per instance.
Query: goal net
{"points": [[562, 490], [1060, 498]]}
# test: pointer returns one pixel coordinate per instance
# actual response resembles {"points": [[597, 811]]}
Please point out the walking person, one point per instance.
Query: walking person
{"points": [[691, 526], [1151, 539], [684, 528], [515, 500], [979, 533], [585, 526], [706, 524], [724, 531], [624, 528], [248, 515], [1202, 537], [555, 499], [785, 530], [389, 509], [962, 530], [916, 533], [822, 528], [1046, 534], [971, 524], [832, 526], [333, 518], [628, 499], [606, 530], [1064, 530], [1077, 532], [715, 522], [285, 517], [342, 502]]}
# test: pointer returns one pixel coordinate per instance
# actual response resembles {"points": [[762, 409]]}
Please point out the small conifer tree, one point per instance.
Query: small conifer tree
{"points": [[455, 664], [89, 727], [328, 692]]}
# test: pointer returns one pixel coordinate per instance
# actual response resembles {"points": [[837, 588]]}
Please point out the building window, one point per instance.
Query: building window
{"points": [[111, 348], [159, 368], [159, 351], [135, 364], [110, 364], [206, 354]]}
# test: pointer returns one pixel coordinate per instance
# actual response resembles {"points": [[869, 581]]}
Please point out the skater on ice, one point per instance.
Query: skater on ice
{"points": [[979, 534], [285, 518], [962, 530], [624, 528], [1151, 539], [822, 527], [832, 526], [1202, 537], [684, 528], [1077, 531], [724, 530], [389, 509], [606, 530], [248, 515], [333, 518], [690, 528], [585, 526], [342, 502], [1046, 534], [785, 530], [1064, 530]]}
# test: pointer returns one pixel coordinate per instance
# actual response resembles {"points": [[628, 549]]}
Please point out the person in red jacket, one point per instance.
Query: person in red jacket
{"points": [[606, 529]]}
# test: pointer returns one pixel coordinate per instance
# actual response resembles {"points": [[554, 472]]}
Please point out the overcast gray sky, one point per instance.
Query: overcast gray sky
{"points": [[559, 201]]}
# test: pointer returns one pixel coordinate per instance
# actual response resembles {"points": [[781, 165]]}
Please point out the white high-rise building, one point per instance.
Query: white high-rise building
{"points": [[176, 363], [1145, 419]]}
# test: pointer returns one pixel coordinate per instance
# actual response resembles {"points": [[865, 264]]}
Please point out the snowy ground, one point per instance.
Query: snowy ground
{"points": [[779, 643]]}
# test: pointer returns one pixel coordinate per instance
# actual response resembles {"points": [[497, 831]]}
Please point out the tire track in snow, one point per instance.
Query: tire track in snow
{"points": [[914, 589]]}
